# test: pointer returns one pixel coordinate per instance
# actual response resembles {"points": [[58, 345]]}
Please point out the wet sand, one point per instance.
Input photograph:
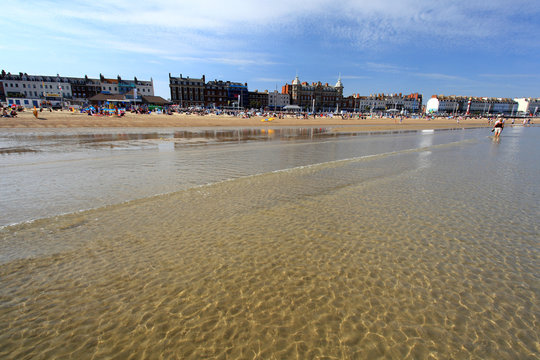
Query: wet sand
{"points": [[66, 119], [342, 247]]}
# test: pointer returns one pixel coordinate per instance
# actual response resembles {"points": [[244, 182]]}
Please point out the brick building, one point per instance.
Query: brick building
{"points": [[315, 96], [258, 100], [186, 91]]}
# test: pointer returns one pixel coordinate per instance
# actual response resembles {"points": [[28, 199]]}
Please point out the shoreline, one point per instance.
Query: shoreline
{"points": [[65, 119]]}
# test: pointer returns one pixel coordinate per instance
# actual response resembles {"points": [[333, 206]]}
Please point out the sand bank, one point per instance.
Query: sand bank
{"points": [[65, 119]]}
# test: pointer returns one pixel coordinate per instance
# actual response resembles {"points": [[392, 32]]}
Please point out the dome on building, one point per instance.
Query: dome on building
{"points": [[339, 83], [296, 81]]}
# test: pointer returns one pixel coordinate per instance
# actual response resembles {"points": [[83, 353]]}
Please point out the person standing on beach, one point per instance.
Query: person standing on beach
{"points": [[498, 127]]}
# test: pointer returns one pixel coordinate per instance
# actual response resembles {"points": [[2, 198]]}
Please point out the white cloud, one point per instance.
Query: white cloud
{"points": [[510, 76], [361, 21], [397, 69], [389, 68], [354, 77], [236, 32], [308, 35], [437, 76], [225, 58]]}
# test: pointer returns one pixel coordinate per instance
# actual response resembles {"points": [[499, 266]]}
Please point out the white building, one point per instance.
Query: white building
{"points": [[528, 106], [277, 100], [388, 102], [460, 105], [29, 90], [37, 90]]}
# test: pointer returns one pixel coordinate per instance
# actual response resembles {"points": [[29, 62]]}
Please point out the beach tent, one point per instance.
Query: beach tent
{"points": [[292, 108], [102, 98]]}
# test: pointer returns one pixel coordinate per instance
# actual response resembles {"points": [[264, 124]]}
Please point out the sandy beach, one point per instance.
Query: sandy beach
{"points": [[66, 119]]}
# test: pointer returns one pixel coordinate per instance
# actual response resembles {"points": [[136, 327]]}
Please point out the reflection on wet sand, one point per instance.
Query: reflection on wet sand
{"points": [[16, 151]]}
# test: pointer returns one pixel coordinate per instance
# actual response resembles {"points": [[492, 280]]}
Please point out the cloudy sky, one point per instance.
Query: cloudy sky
{"points": [[460, 47]]}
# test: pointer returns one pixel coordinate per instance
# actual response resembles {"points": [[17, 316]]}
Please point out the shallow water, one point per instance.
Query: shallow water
{"points": [[295, 243]]}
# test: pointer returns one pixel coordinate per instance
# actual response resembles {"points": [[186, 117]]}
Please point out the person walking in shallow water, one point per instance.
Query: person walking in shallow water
{"points": [[498, 127]]}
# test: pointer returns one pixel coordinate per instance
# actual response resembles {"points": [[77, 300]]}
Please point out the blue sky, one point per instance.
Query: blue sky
{"points": [[462, 47]]}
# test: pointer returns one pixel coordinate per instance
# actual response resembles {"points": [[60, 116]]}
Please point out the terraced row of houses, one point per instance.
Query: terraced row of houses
{"points": [[44, 90], [318, 97], [36, 90], [457, 105]]}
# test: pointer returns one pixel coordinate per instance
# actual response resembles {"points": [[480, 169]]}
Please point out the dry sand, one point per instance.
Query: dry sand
{"points": [[66, 119]]}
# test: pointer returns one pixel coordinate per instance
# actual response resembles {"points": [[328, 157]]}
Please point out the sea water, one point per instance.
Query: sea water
{"points": [[269, 243]]}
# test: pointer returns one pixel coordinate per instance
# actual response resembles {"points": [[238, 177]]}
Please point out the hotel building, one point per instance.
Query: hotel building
{"points": [[37, 90], [188, 92], [277, 101], [383, 102], [315, 97], [528, 106], [258, 100], [458, 105]]}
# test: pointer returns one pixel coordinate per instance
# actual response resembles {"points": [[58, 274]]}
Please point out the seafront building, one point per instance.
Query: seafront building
{"points": [[411, 103], [528, 106], [456, 105], [278, 101], [258, 100], [196, 92], [187, 91], [315, 96], [319, 97], [327, 98], [44, 90]]}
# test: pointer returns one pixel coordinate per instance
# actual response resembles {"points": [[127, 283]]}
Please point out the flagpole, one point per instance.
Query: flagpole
{"points": [[61, 97]]}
